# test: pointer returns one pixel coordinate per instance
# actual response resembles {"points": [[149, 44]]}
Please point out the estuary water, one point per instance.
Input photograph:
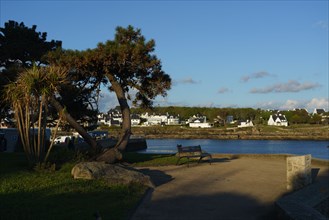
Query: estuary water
{"points": [[318, 149]]}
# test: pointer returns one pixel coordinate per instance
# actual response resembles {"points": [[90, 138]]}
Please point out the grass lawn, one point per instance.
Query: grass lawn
{"points": [[27, 194], [140, 160]]}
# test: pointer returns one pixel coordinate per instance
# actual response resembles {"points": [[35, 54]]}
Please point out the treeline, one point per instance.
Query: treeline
{"points": [[258, 116], [211, 113]]}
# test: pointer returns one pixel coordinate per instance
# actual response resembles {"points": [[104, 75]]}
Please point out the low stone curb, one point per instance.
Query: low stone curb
{"points": [[300, 204]]}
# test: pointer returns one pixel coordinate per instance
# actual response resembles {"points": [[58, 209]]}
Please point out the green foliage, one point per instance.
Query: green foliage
{"points": [[298, 116], [26, 194], [316, 119], [28, 97], [21, 47], [129, 62]]}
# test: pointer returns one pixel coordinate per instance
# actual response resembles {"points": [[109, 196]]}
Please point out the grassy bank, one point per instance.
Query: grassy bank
{"points": [[259, 132], [29, 194]]}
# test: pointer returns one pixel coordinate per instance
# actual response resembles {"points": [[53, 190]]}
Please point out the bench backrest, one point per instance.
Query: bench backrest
{"points": [[189, 150]]}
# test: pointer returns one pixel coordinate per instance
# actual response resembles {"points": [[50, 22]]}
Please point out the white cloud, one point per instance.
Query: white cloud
{"points": [[223, 90], [318, 103], [267, 105], [290, 86], [321, 24], [256, 75], [289, 104], [187, 80]]}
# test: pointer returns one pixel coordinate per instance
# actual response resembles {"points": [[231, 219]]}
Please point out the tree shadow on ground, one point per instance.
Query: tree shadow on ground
{"points": [[314, 173], [196, 162], [11, 163], [157, 177], [109, 202], [215, 206]]}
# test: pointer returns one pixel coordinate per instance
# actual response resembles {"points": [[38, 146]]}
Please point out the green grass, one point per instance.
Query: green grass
{"points": [[27, 194]]}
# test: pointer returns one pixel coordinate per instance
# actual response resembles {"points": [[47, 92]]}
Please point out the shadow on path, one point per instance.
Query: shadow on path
{"points": [[218, 206], [158, 177]]}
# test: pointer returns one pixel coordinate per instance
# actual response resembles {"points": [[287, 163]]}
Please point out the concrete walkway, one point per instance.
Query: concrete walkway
{"points": [[244, 188]]}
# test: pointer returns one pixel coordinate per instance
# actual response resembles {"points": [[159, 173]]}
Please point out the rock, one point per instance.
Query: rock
{"points": [[113, 174]]}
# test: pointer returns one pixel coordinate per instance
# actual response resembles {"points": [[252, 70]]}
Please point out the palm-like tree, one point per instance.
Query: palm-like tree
{"points": [[29, 96]]}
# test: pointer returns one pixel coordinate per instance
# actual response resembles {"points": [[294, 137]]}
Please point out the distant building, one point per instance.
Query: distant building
{"points": [[135, 120], [154, 119], [104, 119], [173, 120], [277, 120], [197, 121], [245, 124], [319, 111], [115, 116], [6, 123], [229, 119], [157, 119], [200, 125]]}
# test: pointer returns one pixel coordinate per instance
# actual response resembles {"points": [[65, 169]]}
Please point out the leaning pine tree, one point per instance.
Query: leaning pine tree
{"points": [[129, 64], [126, 65]]}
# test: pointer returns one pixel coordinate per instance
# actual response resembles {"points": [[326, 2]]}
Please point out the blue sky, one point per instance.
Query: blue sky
{"points": [[259, 54]]}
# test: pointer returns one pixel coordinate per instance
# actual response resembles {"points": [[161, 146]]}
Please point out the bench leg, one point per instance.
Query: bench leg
{"points": [[210, 159]]}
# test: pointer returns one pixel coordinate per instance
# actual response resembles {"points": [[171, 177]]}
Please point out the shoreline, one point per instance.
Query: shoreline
{"points": [[312, 133], [237, 137], [304, 133]]}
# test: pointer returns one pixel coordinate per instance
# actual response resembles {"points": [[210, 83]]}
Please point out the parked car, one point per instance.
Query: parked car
{"points": [[62, 139]]}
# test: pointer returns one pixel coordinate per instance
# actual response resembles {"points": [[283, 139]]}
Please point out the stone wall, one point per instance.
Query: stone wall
{"points": [[299, 172]]}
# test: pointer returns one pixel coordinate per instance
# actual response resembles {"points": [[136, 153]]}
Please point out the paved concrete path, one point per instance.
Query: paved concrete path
{"points": [[244, 188]]}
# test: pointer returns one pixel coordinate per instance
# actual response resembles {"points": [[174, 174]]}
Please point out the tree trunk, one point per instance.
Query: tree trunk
{"points": [[126, 124], [91, 141], [125, 110], [114, 154]]}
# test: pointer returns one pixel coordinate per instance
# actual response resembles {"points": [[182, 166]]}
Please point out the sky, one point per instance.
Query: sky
{"points": [[257, 54]]}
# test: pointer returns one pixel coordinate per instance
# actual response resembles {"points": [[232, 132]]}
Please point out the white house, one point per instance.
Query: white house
{"points": [[103, 119], [173, 120], [277, 120], [155, 119], [197, 124], [135, 120], [319, 111], [244, 124]]}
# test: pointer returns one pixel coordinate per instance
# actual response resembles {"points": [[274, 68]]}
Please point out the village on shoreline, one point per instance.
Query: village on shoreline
{"points": [[212, 117], [260, 125]]}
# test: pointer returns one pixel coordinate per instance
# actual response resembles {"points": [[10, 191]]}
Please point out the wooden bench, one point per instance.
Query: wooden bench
{"points": [[191, 152]]}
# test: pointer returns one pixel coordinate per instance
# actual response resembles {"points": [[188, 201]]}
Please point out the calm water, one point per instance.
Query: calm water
{"points": [[318, 149]]}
